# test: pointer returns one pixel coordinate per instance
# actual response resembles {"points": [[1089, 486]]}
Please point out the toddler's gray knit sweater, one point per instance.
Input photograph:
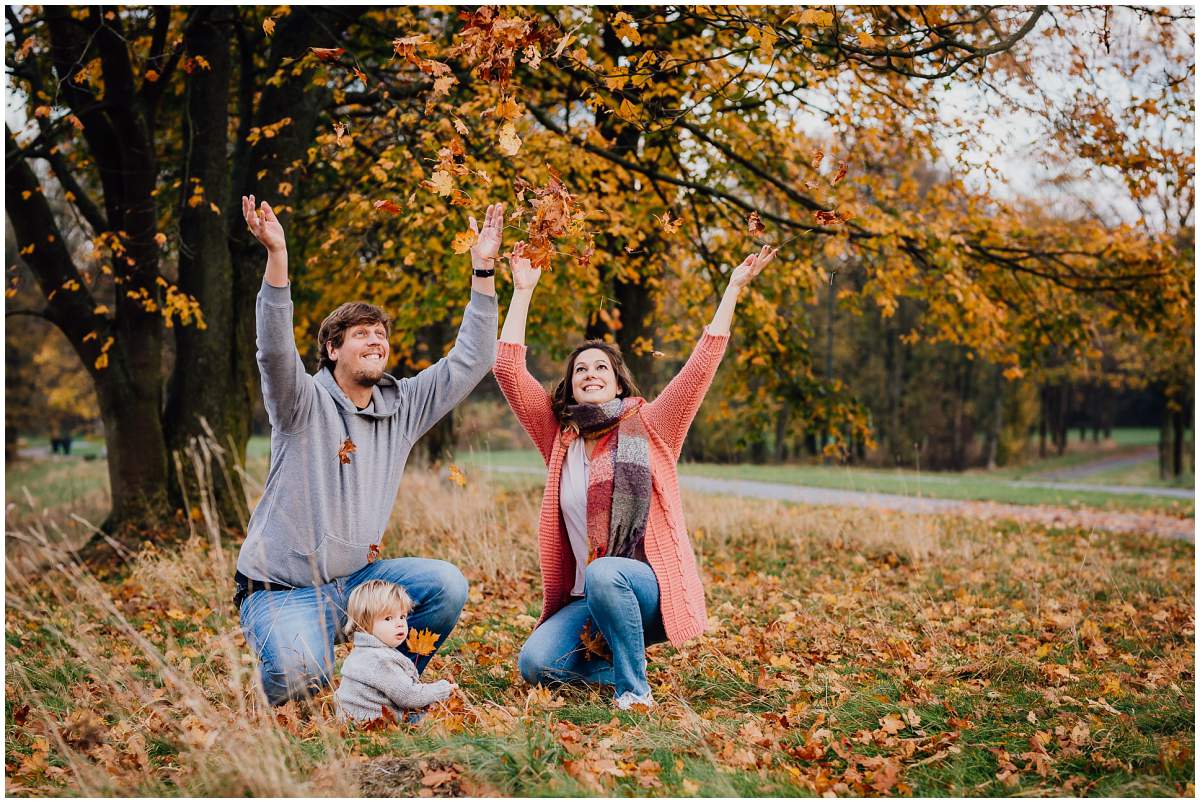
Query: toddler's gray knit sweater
{"points": [[375, 675]]}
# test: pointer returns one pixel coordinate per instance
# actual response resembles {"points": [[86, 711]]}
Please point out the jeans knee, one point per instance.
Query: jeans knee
{"points": [[291, 677], [601, 578], [531, 666]]}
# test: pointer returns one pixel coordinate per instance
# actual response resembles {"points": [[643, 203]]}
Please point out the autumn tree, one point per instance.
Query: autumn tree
{"points": [[150, 122]]}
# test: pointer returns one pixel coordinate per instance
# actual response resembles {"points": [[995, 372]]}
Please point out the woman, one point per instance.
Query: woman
{"points": [[615, 555]]}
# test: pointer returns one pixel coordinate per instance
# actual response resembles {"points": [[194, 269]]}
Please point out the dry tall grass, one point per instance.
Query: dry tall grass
{"points": [[143, 684]]}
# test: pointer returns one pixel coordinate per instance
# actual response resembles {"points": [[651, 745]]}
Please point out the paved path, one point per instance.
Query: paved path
{"points": [[1098, 466], [1167, 526]]}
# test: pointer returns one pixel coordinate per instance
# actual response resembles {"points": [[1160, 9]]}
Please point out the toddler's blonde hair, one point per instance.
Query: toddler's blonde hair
{"points": [[373, 598]]}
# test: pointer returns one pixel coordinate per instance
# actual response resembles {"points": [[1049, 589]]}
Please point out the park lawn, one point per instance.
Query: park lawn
{"points": [[967, 486], [852, 652], [1141, 473]]}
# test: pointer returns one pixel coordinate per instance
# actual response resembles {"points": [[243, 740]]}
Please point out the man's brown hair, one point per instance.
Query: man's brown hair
{"points": [[334, 327]]}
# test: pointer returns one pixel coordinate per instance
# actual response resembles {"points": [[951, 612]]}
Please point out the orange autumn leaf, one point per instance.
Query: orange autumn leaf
{"points": [[328, 54], [593, 641], [669, 225], [457, 477], [268, 26], [462, 242], [840, 174], [422, 642], [344, 453], [817, 156], [373, 553], [389, 206], [755, 225], [828, 218]]}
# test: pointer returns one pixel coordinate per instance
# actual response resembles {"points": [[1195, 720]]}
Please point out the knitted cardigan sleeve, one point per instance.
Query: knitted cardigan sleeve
{"points": [[671, 413], [528, 399]]}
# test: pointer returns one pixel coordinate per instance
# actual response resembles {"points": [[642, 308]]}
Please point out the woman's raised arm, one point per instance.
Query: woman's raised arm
{"points": [[525, 278], [672, 412], [742, 275]]}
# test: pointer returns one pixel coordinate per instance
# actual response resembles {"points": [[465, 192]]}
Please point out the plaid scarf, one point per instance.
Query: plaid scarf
{"points": [[618, 495]]}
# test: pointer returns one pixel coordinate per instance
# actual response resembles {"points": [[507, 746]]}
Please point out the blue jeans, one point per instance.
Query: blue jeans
{"points": [[620, 596], [293, 632]]}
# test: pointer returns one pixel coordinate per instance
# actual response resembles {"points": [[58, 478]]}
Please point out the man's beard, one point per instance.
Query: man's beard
{"points": [[366, 378]]}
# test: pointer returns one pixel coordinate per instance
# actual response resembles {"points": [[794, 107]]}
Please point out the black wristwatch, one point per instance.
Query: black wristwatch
{"points": [[483, 273]]}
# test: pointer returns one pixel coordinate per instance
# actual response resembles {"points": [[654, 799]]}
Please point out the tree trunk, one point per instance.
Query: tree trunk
{"points": [[205, 396], [782, 418], [1042, 423], [991, 444]]}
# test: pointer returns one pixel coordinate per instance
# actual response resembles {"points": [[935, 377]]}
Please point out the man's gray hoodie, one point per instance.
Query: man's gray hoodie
{"points": [[375, 675], [318, 517]]}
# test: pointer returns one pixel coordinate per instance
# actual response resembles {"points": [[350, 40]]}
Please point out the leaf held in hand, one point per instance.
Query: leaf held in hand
{"points": [[422, 642]]}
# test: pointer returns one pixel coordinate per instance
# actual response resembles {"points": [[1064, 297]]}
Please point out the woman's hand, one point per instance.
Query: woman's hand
{"points": [[524, 275], [487, 240], [264, 225], [751, 266]]}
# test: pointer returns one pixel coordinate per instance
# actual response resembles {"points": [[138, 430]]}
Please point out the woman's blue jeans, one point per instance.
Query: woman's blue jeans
{"points": [[621, 598], [293, 632]]}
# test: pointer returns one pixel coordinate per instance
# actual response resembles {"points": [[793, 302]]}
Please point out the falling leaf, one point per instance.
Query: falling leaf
{"points": [[462, 242], [339, 129], [360, 75], [269, 26], [328, 54], [389, 206], [507, 109], [840, 174], [373, 553], [827, 218], [508, 140], [817, 156], [657, 354], [151, 76], [755, 225], [441, 86], [161, 239], [344, 453], [669, 226], [461, 127], [422, 642], [440, 182]]}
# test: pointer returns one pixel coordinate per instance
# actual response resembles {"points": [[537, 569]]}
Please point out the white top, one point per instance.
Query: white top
{"points": [[572, 499]]}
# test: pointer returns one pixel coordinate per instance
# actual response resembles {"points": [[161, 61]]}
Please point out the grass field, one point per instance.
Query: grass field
{"points": [[849, 653]]}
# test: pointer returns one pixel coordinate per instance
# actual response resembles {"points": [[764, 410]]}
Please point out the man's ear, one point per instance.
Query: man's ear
{"points": [[331, 351]]}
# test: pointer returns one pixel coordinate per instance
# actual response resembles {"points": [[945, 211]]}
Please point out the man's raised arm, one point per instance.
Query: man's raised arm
{"points": [[287, 387]]}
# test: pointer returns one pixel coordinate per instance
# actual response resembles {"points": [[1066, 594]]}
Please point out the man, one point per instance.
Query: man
{"points": [[339, 442]]}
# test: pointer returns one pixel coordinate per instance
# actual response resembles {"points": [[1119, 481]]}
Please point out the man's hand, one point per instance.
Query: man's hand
{"points": [[487, 241], [264, 225]]}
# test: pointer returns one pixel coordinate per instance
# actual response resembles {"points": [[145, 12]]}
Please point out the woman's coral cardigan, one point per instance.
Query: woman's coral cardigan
{"points": [[667, 420]]}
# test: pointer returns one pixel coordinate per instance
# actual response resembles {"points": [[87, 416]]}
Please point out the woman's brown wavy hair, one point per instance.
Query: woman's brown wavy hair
{"points": [[563, 396]]}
